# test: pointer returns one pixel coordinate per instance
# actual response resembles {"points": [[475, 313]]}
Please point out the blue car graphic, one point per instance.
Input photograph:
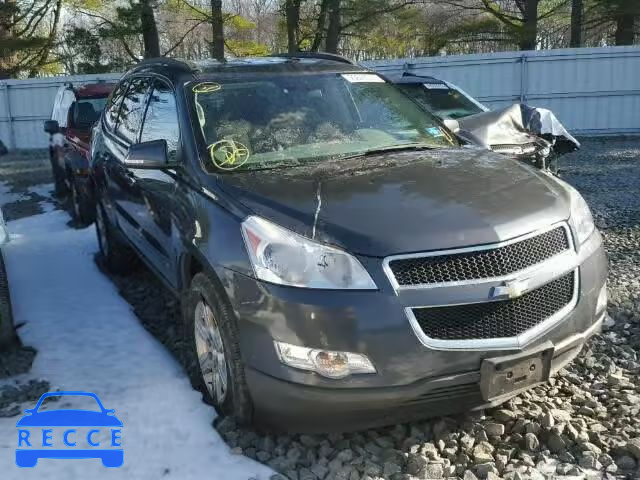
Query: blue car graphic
{"points": [[28, 457]]}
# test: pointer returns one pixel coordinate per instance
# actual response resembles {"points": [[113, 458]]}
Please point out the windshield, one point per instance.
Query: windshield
{"points": [[86, 111], [443, 101], [265, 122]]}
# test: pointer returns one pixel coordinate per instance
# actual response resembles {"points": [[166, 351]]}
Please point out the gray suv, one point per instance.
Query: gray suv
{"points": [[341, 262]]}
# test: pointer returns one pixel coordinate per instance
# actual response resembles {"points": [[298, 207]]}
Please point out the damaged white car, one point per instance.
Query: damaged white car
{"points": [[530, 134]]}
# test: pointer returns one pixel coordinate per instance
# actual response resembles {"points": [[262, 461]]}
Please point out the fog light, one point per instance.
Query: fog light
{"points": [[602, 299], [324, 362]]}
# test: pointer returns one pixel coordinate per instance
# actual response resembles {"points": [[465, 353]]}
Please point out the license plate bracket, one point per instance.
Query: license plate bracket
{"points": [[511, 374]]}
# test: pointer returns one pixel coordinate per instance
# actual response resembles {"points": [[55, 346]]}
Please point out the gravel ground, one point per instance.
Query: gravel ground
{"points": [[582, 425]]}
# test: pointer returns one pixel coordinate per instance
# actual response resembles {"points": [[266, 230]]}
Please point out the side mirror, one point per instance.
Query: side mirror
{"points": [[451, 124], [151, 155], [51, 126]]}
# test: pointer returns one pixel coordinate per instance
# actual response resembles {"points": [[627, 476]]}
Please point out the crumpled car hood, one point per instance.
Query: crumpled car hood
{"points": [[519, 124], [405, 202]]}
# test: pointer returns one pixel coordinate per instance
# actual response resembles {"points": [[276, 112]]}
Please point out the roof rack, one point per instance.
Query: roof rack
{"points": [[169, 62], [317, 55]]}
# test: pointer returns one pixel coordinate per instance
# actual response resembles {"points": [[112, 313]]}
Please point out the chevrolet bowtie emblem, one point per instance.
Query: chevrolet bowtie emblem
{"points": [[509, 290]]}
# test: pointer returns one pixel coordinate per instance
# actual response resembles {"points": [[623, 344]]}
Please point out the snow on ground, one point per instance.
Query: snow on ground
{"points": [[7, 196], [44, 190], [88, 339]]}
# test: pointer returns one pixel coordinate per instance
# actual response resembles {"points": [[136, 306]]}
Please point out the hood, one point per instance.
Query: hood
{"points": [[498, 127], [405, 202], [519, 124]]}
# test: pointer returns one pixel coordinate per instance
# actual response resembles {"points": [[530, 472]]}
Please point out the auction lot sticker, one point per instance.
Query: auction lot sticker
{"points": [[362, 78], [69, 433]]}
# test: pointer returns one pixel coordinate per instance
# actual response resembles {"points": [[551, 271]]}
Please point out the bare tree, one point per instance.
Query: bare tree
{"points": [[28, 31]]}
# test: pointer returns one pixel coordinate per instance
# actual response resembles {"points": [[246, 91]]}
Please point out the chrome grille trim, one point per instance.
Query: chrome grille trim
{"points": [[565, 258]]}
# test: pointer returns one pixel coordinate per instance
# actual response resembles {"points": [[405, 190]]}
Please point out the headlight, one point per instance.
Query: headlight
{"points": [[327, 363], [517, 150], [281, 256], [581, 217]]}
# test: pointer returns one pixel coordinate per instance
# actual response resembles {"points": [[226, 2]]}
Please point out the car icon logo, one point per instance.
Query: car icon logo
{"points": [[35, 429]]}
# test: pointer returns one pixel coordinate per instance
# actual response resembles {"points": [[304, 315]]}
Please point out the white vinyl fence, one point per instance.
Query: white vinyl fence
{"points": [[591, 90], [26, 104]]}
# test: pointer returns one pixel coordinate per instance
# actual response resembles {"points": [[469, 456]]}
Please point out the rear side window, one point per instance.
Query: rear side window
{"points": [[111, 115], [132, 110], [86, 111], [161, 121]]}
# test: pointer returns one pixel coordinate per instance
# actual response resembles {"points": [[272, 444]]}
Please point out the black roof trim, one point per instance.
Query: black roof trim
{"points": [[317, 55], [423, 77], [410, 78], [177, 64]]}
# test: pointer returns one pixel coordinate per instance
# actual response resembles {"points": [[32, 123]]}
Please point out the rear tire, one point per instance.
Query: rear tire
{"points": [[118, 257], [215, 337]]}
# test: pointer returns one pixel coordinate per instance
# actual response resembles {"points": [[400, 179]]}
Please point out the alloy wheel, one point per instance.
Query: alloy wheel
{"points": [[210, 351]]}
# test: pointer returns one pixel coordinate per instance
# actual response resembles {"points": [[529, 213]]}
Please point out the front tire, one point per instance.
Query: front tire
{"points": [[117, 256], [213, 350]]}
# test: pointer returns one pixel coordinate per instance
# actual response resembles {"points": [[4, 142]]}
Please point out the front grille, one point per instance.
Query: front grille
{"points": [[500, 319], [479, 264]]}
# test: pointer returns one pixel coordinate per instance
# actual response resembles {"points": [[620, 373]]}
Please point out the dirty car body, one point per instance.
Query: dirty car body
{"points": [[372, 269], [527, 133]]}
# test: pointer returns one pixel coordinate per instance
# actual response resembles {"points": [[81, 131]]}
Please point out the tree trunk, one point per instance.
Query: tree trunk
{"points": [[577, 9], [150, 37], [322, 18], [217, 30], [292, 15], [625, 29], [529, 26], [334, 27]]}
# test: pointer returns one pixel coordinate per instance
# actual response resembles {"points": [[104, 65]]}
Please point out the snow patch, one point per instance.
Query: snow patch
{"points": [[88, 339], [7, 196]]}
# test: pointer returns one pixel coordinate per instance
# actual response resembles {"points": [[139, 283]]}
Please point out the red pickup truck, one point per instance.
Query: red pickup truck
{"points": [[75, 110]]}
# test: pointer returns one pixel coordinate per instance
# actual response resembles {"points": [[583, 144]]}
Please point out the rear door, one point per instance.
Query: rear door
{"points": [[158, 187], [106, 150], [123, 119]]}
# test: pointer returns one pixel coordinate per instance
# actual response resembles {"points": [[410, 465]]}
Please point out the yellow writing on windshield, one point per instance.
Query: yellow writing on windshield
{"points": [[206, 87], [228, 154]]}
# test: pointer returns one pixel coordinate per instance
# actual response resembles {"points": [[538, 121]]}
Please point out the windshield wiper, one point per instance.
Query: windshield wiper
{"points": [[391, 148]]}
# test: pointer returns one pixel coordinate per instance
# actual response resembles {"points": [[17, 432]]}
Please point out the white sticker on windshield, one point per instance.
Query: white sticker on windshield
{"points": [[436, 86], [362, 78]]}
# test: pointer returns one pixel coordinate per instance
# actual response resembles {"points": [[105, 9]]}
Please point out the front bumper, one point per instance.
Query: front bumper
{"points": [[420, 380], [297, 407]]}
